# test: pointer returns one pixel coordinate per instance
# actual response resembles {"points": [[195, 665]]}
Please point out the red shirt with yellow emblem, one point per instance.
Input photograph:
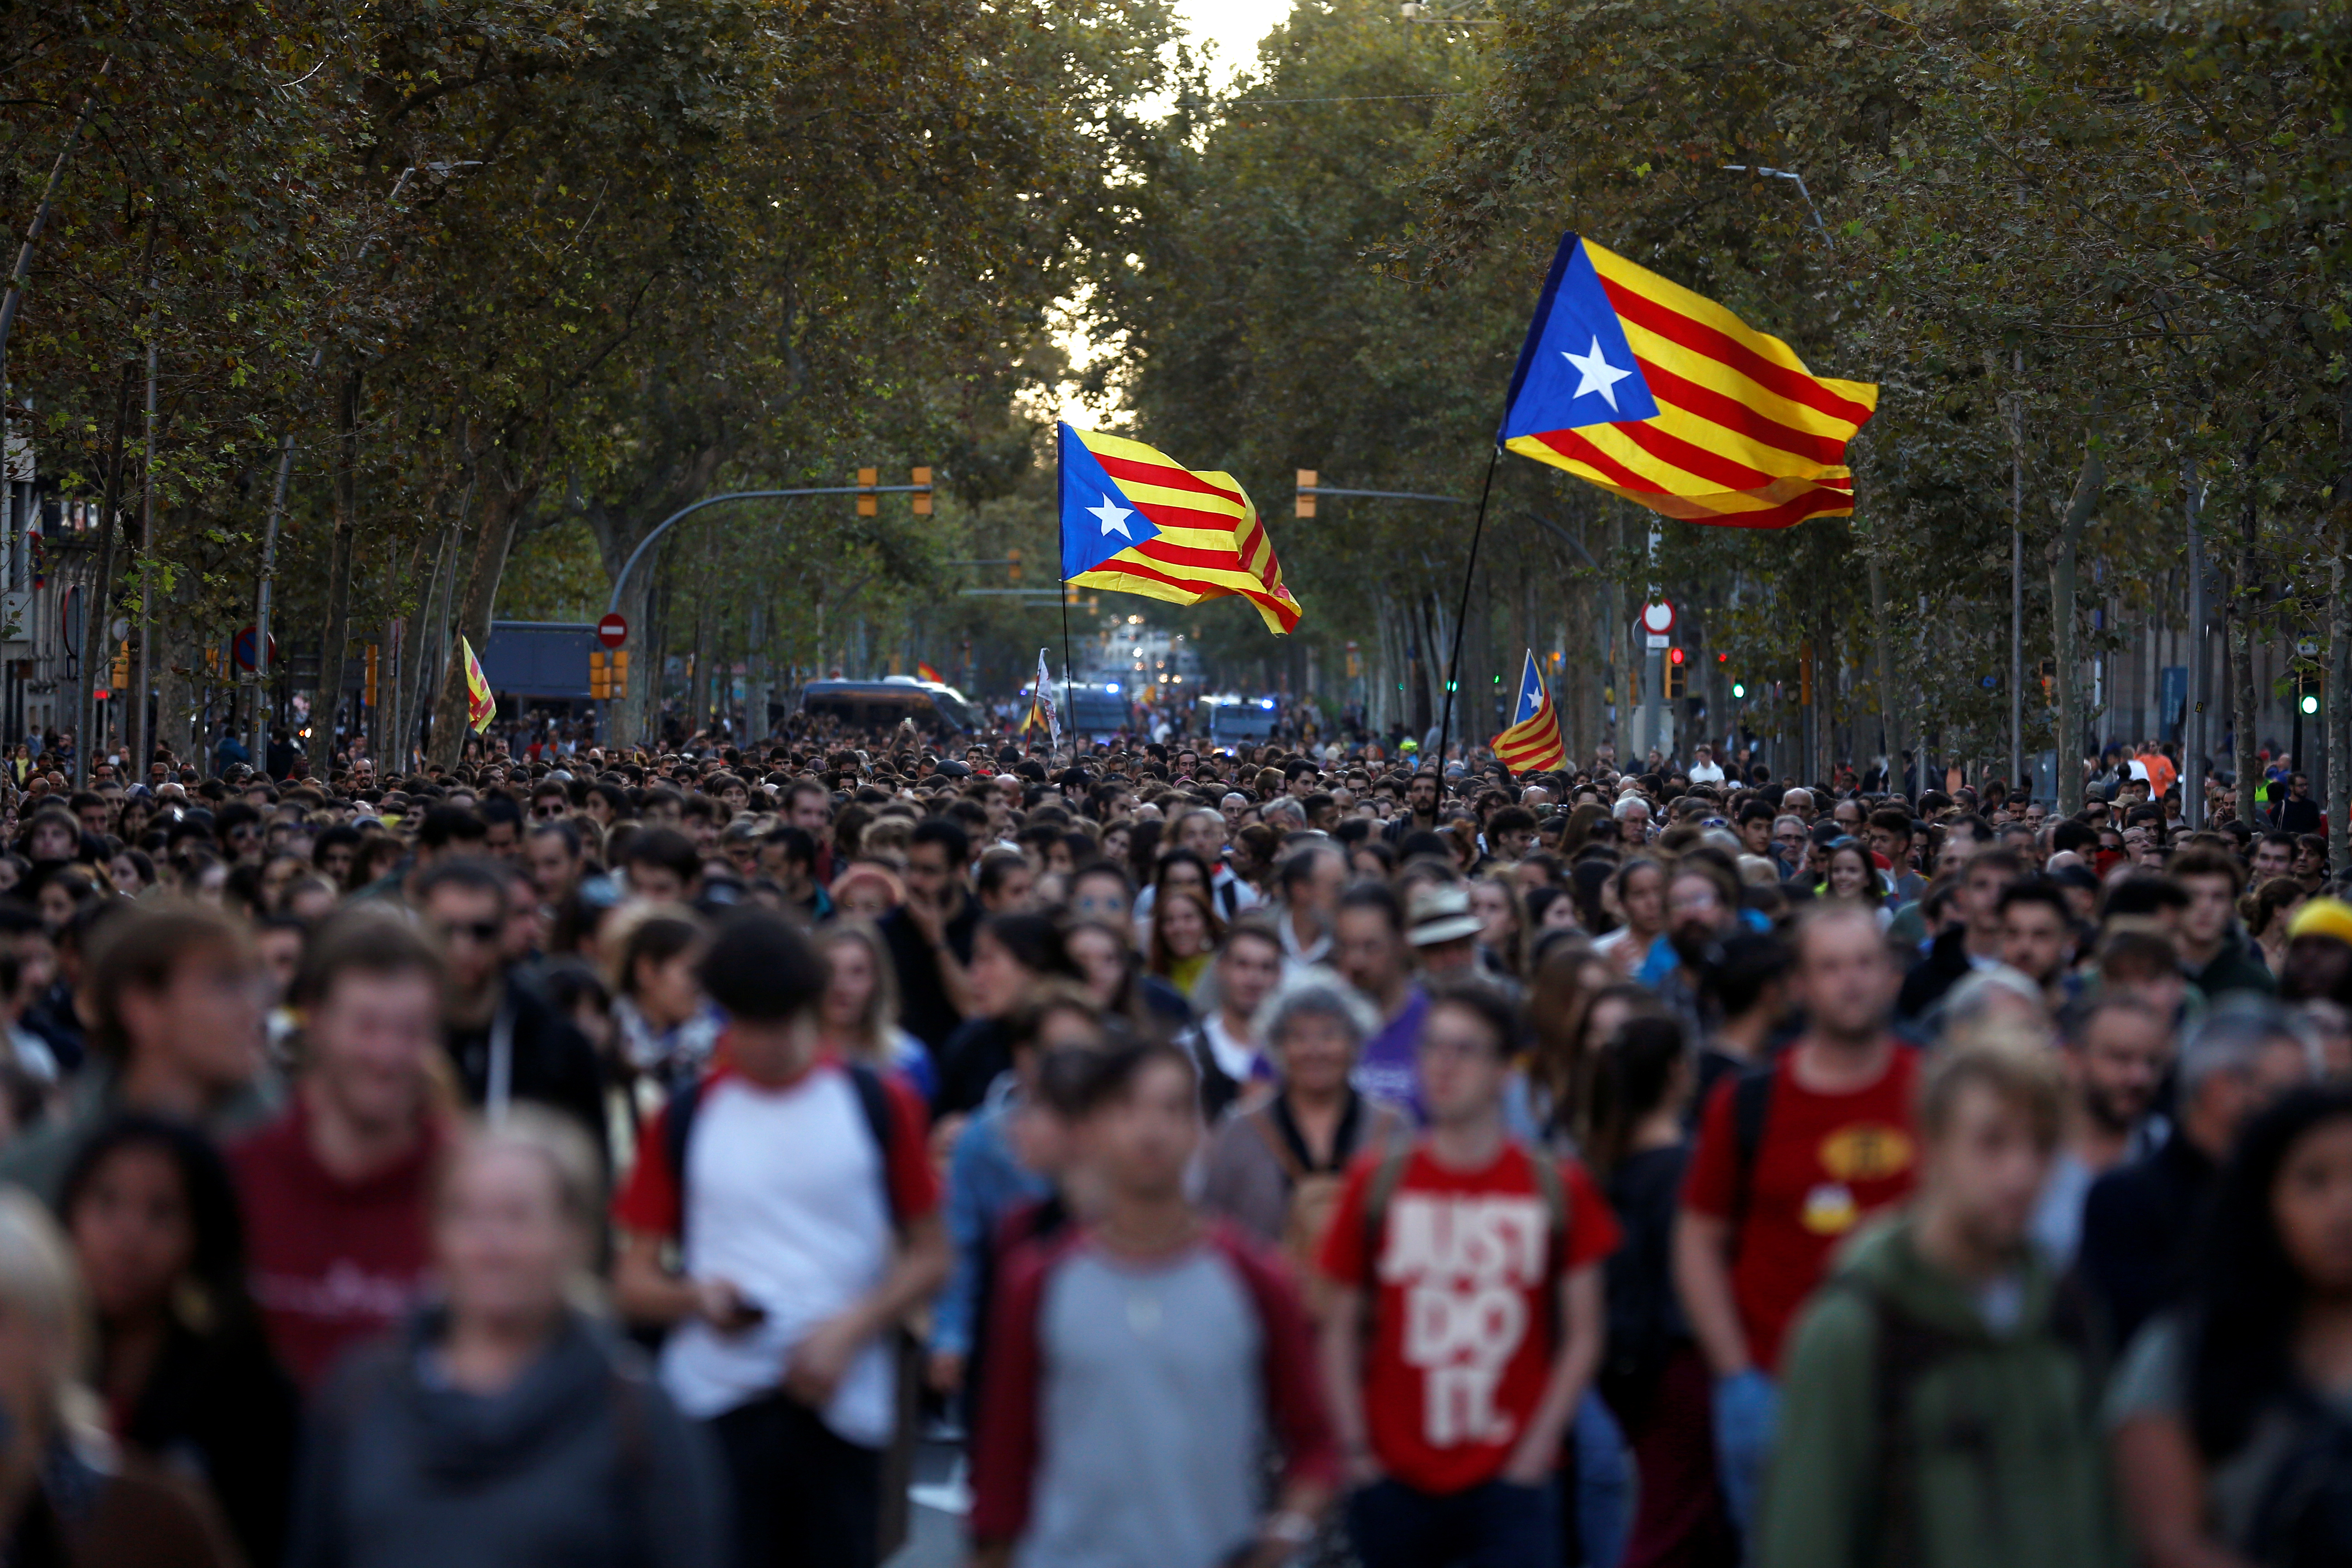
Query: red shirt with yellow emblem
{"points": [[1825, 1163]]}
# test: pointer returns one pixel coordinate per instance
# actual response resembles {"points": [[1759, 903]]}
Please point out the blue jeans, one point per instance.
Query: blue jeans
{"points": [[1746, 1414], [1496, 1525], [1604, 1483]]}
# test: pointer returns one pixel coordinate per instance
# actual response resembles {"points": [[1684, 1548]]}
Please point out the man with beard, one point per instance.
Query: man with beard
{"points": [[2117, 1050], [1421, 808]]}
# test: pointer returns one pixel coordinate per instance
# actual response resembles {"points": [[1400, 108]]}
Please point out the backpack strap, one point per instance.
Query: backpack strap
{"points": [[1554, 1193], [678, 1133], [1277, 1145], [873, 1103], [1751, 1106], [1385, 1177], [881, 1121]]}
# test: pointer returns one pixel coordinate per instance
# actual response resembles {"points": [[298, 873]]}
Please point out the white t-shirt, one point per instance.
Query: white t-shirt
{"points": [[784, 1198]]}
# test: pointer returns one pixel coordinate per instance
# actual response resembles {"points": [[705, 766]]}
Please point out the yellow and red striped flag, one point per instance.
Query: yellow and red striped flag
{"points": [[1664, 397], [1533, 744], [1137, 523], [481, 707], [927, 672]]}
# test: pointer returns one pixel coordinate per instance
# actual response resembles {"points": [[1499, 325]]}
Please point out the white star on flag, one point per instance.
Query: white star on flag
{"points": [[1114, 518], [1595, 372]]}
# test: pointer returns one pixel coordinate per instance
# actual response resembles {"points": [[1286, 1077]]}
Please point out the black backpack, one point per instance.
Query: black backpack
{"points": [[2305, 1517]]}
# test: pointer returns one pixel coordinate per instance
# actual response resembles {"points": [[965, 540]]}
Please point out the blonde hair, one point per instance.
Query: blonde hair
{"points": [[555, 1143], [880, 1019], [39, 1278]]}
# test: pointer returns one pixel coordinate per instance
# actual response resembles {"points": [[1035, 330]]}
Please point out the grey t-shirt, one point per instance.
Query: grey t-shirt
{"points": [[1152, 1414], [2153, 1380]]}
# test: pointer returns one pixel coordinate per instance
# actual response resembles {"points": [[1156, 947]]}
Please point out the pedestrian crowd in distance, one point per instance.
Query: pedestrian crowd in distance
{"points": [[612, 1159]]}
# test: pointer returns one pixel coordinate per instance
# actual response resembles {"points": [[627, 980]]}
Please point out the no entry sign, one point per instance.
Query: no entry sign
{"points": [[612, 631]]}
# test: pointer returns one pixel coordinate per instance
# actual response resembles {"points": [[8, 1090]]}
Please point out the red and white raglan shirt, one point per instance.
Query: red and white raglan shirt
{"points": [[1464, 1277], [788, 1196]]}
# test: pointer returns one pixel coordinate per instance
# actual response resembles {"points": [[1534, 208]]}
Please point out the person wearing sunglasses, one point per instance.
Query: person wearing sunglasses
{"points": [[506, 1041]]}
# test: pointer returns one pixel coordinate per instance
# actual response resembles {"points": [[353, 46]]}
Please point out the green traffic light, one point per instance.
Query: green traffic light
{"points": [[1738, 688], [2311, 702]]}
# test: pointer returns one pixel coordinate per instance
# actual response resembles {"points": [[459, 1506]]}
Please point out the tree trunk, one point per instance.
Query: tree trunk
{"points": [[2245, 703], [96, 648], [2065, 550], [2339, 710], [339, 579], [481, 561], [1889, 707]]}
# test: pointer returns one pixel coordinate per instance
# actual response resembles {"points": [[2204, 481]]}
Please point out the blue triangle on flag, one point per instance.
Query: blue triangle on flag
{"points": [[1576, 367], [1098, 521]]}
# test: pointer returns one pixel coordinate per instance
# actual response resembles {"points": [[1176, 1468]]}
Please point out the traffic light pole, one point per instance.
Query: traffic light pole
{"points": [[621, 579], [922, 489]]}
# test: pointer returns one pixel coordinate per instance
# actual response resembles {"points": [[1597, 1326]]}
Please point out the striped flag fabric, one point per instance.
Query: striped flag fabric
{"points": [[928, 672], [1533, 744], [481, 705], [1663, 396], [1135, 521]]}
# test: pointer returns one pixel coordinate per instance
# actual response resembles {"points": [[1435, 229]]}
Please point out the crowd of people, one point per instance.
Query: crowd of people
{"points": [[605, 1158]]}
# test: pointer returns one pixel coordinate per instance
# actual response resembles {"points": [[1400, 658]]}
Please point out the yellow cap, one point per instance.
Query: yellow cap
{"points": [[2323, 917]]}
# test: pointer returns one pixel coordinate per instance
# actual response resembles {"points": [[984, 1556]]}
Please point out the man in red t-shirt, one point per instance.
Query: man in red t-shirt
{"points": [[336, 1192], [1790, 1158], [1481, 1271]]}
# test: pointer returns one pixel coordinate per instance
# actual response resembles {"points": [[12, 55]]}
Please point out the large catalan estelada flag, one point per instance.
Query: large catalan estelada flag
{"points": [[1666, 398], [1135, 522], [480, 706], [1533, 744]]}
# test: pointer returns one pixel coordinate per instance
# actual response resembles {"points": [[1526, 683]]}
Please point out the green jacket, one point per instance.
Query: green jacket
{"points": [[1986, 1453], [2234, 968]]}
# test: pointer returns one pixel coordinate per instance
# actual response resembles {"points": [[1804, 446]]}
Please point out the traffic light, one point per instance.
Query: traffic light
{"points": [[1739, 692], [1012, 565], [608, 674], [1305, 502], [869, 504], [922, 478], [2306, 693], [1677, 674], [123, 666]]}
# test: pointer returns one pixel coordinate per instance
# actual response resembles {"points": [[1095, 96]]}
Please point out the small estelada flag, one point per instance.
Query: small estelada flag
{"points": [[1043, 703], [1533, 744], [480, 706]]}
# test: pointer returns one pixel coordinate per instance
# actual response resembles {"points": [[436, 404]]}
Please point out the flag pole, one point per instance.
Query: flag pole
{"points": [[1461, 618], [1069, 710]]}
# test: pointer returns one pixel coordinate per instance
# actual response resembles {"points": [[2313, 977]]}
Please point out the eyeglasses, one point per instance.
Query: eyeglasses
{"points": [[543, 812], [482, 931]]}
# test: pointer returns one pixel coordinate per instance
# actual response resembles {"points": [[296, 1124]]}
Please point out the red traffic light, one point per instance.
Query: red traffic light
{"points": [[1723, 659], [1674, 654]]}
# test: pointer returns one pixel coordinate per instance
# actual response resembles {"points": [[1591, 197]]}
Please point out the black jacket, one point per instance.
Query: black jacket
{"points": [[2138, 1223], [553, 1064], [1945, 965]]}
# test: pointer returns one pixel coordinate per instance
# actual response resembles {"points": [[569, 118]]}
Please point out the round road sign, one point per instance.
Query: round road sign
{"points": [[612, 631], [240, 648], [1658, 618]]}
